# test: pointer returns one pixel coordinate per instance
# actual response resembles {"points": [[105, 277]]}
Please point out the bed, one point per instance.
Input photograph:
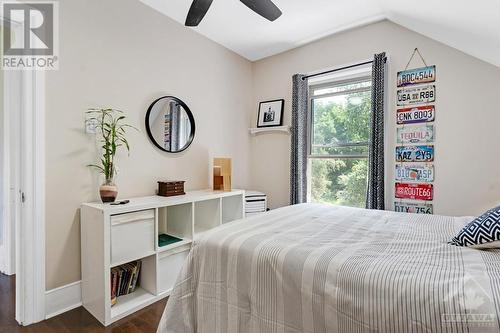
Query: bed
{"points": [[322, 268]]}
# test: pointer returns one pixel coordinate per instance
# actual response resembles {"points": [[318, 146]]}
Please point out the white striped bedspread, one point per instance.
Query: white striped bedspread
{"points": [[321, 268]]}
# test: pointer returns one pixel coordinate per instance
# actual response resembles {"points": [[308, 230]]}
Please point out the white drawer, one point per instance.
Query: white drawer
{"points": [[132, 236], [169, 266]]}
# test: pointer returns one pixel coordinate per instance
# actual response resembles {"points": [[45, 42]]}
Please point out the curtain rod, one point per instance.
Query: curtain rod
{"points": [[340, 69]]}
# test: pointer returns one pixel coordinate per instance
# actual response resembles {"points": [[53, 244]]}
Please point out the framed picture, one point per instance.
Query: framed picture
{"points": [[271, 113]]}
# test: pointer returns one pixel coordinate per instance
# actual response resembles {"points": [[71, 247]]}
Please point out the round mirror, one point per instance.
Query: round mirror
{"points": [[170, 124]]}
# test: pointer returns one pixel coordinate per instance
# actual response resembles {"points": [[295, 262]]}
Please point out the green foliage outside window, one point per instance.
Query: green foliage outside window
{"points": [[340, 127]]}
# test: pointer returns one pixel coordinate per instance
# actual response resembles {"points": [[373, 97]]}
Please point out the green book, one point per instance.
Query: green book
{"points": [[164, 240]]}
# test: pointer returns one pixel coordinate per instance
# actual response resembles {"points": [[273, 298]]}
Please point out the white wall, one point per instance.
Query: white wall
{"points": [[123, 54], [467, 114]]}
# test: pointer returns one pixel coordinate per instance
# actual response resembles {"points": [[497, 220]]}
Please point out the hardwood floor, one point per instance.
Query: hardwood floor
{"points": [[74, 321]]}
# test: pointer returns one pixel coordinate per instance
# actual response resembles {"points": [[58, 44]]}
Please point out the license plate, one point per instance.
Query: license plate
{"points": [[416, 76], [414, 153], [419, 114], [416, 134], [418, 95], [414, 191], [409, 207], [415, 173]]}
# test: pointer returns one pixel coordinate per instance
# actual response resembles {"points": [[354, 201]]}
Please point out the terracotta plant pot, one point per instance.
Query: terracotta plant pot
{"points": [[108, 192]]}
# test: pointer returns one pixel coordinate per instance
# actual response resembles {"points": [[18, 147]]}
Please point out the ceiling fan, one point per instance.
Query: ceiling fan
{"points": [[265, 8]]}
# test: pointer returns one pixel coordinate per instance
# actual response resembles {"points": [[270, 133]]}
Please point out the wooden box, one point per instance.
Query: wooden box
{"points": [[171, 188]]}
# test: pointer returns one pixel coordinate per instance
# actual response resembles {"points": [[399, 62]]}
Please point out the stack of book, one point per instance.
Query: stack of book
{"points": [[255, 203], [124, 279]]}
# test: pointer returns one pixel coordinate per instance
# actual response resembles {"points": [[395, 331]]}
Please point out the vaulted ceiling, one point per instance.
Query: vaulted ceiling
{"points": [[470, 26]]}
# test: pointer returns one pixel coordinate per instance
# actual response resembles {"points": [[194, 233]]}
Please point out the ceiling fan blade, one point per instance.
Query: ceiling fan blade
{"points": [[197, 11], [265, 8]]}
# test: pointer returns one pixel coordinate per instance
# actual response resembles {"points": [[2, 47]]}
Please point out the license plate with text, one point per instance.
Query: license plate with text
{"points": [[419, 114], [415, 153], [409, 207], [417, 95], [415, 173], [414, 191], [416, 76], [415, 134]]}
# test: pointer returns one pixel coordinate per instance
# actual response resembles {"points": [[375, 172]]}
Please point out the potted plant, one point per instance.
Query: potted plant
{"points": [[112, 129]]}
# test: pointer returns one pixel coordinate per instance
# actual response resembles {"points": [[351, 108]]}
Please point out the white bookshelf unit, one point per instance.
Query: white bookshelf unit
{"points": [[112, 235]]}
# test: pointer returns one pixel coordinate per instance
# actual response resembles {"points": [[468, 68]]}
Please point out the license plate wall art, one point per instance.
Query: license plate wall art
{"points": [[415, 134], [414, 191], [415, 208], [418, 114], [414, 153], [417, 95], [415, 173], [416, 76]]}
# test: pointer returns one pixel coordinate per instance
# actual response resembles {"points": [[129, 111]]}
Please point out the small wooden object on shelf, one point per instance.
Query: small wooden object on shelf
{"points": [[171, 188], [222, 174]]}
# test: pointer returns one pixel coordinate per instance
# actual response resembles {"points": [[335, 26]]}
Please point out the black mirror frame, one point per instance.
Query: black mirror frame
{"points": [[191, 121]]}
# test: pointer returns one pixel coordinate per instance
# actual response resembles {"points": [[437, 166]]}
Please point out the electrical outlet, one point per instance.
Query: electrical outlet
{"points": [[90, 126]]}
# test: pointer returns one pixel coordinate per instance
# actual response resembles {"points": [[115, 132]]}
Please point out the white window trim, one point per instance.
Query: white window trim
{"points": [[345, 78]]}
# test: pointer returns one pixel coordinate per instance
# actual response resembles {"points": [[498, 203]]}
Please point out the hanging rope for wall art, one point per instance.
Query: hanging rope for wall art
{"points": [[413, 55]]}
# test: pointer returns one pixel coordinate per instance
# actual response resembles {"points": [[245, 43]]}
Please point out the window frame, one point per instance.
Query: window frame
{"points": [[362, 77]]}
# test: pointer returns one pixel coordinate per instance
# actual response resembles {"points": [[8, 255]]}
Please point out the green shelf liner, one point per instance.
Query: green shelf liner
{"points": [[164, 240]]}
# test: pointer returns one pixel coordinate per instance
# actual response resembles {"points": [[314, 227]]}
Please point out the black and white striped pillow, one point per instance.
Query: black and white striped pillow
{"points": [[482, 233]]}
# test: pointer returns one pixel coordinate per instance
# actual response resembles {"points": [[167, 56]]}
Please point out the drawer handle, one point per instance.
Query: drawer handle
{"points": [[132, 219]]}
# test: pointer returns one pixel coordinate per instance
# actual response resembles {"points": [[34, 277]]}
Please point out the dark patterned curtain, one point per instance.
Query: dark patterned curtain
{"points": [[298, 158], [375, 193]]}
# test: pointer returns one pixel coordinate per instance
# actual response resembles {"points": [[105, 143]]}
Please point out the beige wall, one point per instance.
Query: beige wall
{"points": [[467, 114], [123, 54]]}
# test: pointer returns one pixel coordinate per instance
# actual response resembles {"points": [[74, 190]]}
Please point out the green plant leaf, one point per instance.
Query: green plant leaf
{"points": [[112, 132]]}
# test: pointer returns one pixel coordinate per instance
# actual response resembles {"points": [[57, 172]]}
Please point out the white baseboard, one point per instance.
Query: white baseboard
{"points": [[62, 299]]}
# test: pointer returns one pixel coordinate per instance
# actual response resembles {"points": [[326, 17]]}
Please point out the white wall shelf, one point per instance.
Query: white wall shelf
{"points": [[275, 129], [113, 235]]}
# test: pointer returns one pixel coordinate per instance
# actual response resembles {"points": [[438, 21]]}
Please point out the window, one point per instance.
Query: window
{"points": [[338, 141]]}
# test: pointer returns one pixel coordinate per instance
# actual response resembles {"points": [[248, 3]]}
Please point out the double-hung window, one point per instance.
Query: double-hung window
{"points": [[338, 141]]}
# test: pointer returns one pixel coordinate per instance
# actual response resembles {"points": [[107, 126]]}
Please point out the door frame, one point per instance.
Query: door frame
{"points": [[30, 231], [12, 100]]}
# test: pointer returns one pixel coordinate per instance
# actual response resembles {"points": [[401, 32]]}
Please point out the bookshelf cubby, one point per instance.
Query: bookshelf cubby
{"points": [[206, 215], [175, 222], [115, 235], [146, 288], [231, 209]]}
